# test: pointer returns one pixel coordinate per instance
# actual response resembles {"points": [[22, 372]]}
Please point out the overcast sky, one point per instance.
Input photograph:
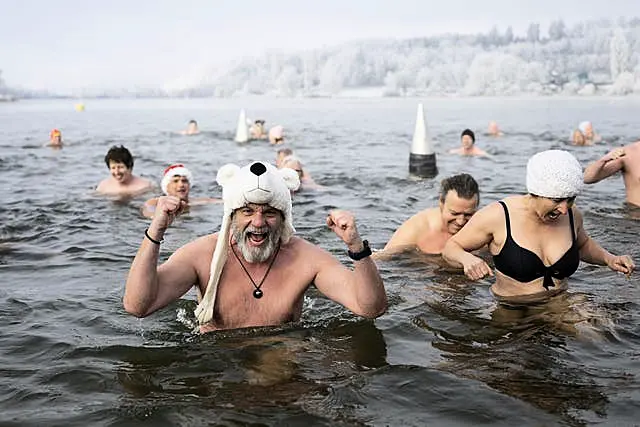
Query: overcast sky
{"points": [[63, 44]]}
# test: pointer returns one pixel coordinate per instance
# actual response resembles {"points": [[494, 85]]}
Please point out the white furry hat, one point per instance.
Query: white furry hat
{"points": [[554, 174], [177, 169], [259, 183]]}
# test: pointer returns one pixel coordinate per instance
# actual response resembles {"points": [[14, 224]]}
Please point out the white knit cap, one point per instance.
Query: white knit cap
{"points": [[583, 126], [177, 169], [554, 174], [259, 183]]}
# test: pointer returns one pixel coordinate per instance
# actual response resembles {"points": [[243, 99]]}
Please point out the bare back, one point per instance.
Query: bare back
{"points": [[631, 172]]}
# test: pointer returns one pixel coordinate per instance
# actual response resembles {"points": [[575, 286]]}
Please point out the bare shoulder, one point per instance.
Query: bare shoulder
{"points": [[104, 185], [306, 251], [491, 215], [201, 246], [577, 215]]}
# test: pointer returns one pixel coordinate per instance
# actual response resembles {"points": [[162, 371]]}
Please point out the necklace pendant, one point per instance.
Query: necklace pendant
{"points": [[257, 294]]}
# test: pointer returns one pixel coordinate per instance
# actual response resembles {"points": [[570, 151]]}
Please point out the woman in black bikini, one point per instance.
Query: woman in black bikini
{"points": [[537, 240]]}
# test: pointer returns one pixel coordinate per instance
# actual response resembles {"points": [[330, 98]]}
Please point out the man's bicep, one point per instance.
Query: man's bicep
{"points": [[175, 277], [332, 279]]}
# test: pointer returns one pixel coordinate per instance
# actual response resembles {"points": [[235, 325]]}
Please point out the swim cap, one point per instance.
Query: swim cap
{"points": [[583, 127], [55, 132], [554, 174], [177, 169], [259, 183]]}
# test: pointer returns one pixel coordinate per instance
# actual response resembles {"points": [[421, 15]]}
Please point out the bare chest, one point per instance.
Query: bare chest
{"points": [[433, 242], [280, 295]]}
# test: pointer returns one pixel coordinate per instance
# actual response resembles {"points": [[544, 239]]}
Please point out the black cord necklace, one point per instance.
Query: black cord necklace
{"points": [[257, 292]]}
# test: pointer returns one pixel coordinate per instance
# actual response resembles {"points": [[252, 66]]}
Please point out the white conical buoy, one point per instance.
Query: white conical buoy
{"points": [[422, 159], [242, 131]]}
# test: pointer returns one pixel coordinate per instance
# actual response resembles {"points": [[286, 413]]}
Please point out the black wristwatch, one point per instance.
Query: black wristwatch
{"points": [[365, 252]]}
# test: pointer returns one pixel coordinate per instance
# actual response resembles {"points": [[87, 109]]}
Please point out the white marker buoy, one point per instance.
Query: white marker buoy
{"points": [[242, 131], [422, 159]]}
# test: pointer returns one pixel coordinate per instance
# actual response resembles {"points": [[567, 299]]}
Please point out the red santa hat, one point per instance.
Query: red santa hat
{"points": [[177, 169]]}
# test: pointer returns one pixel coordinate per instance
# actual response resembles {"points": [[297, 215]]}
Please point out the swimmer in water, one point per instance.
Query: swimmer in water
{"points": [[253, 272], [192, 128], [122, 182], [493, 129], [624, 159], [55, 139], [537, 240], [577, 138], [429, 230], [276, 135], [468, 145], [176, 182], [306, 182], [590, 136], [257, 131]]}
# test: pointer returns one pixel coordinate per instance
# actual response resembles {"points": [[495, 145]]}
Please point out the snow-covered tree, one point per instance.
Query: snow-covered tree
{"points": [[619, 54]]}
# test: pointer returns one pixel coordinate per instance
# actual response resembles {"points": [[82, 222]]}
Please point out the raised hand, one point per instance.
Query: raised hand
{"points": [[167, 208], [614, 154], [343, 223]]}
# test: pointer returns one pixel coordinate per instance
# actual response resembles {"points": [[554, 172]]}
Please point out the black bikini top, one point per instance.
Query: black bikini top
{"points": [[523, 265]]}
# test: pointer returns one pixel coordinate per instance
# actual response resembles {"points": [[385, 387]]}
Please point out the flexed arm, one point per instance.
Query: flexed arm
{"points": [[148, 286], [361, 290]]}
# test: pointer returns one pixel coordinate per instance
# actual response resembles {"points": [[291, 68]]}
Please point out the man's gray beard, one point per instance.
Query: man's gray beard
{"points": [[261, 253]]}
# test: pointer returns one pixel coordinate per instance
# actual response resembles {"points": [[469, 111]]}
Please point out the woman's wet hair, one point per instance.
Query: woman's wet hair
{"points": [[119, 154], [463, 184]]}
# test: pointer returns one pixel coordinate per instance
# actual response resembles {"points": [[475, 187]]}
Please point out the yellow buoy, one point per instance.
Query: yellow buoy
{"points": [[79, 106]]}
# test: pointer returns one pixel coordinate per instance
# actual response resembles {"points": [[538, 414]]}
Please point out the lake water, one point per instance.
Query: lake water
{"points": [[443, 354]]}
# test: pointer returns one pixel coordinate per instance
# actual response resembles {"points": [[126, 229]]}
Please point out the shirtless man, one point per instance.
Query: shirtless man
{"points": [[306, 182], [192, 128], [254, 271], [468, 141], [257, 131], [493, 129], [55, 139], [276, 135], [122, 182], [177, 182], [625, 159], [429, 230]]}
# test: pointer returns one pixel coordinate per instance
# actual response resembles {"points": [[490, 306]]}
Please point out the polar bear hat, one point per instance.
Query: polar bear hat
{"points": [[259, 183]]}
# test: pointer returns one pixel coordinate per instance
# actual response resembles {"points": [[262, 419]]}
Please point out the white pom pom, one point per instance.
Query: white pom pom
{"points": [[226, 173], [290, 178]]}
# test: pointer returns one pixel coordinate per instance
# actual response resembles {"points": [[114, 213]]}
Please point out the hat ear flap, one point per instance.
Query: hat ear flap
{"points": [[290, 178], [226, 173]]}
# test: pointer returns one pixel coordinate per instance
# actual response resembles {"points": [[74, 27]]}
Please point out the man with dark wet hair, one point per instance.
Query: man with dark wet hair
{"points": [[428, 230], [122, 182], [256, 131], [468, 142], [192, 128]]}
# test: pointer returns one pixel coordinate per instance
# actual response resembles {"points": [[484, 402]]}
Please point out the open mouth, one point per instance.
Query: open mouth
{"points": [[257, 238]]}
